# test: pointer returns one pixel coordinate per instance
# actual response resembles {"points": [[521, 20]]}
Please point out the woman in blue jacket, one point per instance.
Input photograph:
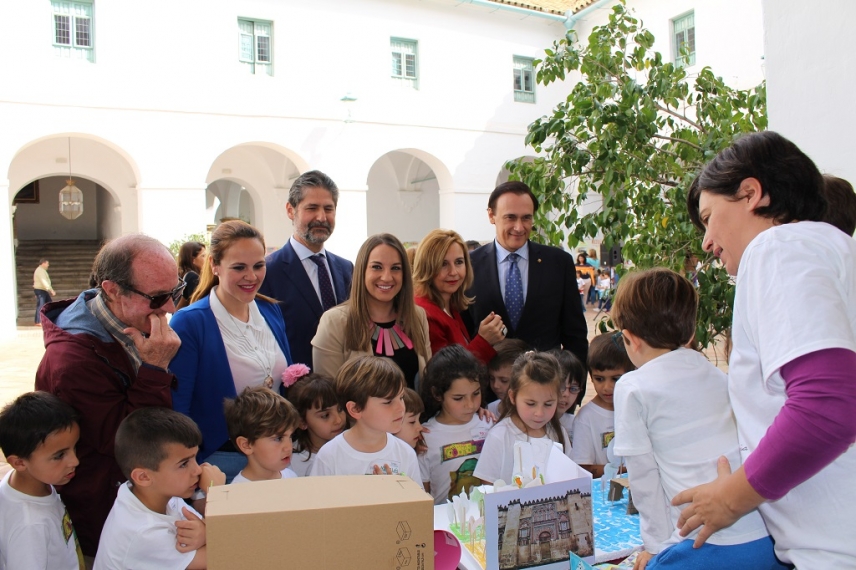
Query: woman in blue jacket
{"points": [[231, 338]]}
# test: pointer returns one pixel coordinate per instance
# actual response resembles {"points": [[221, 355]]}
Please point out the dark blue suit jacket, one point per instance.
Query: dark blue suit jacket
{"points": [[287, 282], [552, 314]]}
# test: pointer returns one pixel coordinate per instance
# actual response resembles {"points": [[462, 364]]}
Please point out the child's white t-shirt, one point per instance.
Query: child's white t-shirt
{"points": [[594, 428], [136, 537], [497, 457], [35, 532], [301, 463], [453, 451], [286, 473], [795, 294], [676, 407], [337, 457], [567, 421]]}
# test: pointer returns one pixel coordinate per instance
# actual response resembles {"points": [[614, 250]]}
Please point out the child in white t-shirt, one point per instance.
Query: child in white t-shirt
{"points": [[38, 434], [594, 424], [321, 419], [499, 371], [529, 413], [573, 388], [150, 527], [451, 393], [673, 422], [371, 391], [260, 424]]}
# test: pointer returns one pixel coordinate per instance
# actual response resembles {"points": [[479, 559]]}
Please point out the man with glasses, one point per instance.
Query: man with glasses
{"points": [[107, 354]]}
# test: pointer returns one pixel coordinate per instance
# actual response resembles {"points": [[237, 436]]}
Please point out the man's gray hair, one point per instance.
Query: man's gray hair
{"points": [[114, 261], [312, 179]]}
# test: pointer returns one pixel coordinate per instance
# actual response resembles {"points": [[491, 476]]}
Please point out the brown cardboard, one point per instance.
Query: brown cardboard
{"points": [[356, 522]]}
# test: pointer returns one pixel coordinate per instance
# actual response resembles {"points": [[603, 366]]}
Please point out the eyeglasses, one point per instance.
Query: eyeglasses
{"points": [[158, 301], [618, 340], [572, 388]]}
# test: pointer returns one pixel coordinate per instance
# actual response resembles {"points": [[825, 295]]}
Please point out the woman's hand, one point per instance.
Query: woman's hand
{"points": [[718, 504], [491, 328]]}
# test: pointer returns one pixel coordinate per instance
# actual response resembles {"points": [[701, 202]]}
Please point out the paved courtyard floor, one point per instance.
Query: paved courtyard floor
{"points": [[21, 356]]}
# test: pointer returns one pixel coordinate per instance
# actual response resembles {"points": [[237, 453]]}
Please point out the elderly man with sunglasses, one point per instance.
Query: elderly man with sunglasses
{"points": [[106, 354]]}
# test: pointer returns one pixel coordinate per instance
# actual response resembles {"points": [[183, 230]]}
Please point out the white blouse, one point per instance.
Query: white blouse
{"points": [[251, 348]]}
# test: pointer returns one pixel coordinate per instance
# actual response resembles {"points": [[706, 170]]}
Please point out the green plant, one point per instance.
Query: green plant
{"points": [[175, 245], [634, 131]]}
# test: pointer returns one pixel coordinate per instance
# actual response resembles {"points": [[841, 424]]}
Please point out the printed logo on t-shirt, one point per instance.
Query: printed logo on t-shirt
{"points": [[605, 438], [67, 534], [462, 479], [461, 449], [386, 466]]}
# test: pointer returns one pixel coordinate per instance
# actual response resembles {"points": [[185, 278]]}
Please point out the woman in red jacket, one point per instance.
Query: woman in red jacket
{"points": [[441, 274]]}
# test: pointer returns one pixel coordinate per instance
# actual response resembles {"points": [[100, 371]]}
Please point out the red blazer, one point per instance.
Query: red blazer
{"points": [[444, 330]]}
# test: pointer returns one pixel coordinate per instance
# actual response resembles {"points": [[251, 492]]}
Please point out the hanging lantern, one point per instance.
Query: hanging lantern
{"points": [[70, 197], [71, 201]]}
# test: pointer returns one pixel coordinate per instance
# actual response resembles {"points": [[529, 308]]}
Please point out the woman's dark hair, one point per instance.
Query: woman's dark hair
{"points": [[786, 175], [188, 252], [447, 365]]}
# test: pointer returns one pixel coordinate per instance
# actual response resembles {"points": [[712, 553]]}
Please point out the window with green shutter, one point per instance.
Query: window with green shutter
{"points": [[72, 30], [524, 80], [684, 44], [256, 46], [404, 62]]}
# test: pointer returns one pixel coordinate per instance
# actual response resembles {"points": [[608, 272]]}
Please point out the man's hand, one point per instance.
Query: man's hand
{"points": [[161, 345], [718, 504], [190, 534]]}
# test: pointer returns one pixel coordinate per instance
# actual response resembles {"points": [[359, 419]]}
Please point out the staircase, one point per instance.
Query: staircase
{"points": [[71, 263]]}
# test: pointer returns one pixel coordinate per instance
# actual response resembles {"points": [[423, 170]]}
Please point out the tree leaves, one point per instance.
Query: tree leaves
{"points": [[634, 131]]}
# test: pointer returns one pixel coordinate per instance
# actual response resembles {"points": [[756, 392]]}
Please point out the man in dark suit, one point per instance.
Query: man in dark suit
{"points": [[533, 287], [302, 276]]}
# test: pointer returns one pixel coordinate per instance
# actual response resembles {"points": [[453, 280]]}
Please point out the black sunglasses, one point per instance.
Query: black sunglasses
{"points": [[158, 301]]}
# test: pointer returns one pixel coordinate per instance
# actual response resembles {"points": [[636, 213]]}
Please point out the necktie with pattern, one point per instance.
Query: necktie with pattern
{"points": [[328, 299], [513, 291]]}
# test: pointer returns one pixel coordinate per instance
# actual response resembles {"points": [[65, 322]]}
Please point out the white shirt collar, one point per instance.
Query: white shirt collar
{"points": [[257, 321], [301, 250]]}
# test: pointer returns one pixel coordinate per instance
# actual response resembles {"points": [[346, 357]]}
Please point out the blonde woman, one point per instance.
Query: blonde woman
{"points": [[442, 273], [380, 316]]}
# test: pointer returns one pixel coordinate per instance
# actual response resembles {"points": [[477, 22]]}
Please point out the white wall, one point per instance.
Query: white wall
{"points": [[811, 79]]}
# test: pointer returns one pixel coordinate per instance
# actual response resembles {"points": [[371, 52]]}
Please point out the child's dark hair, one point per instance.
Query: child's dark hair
{"points": [[574, 370], [657, 305], [142, 437], [413, 402], [26, 423], [539, 368], [447, 365], [507, 351], [606, 353], [368, 377], [310, 392], [258, 412]]}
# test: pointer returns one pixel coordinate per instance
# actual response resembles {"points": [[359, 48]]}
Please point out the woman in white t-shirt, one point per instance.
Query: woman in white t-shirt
{"points": [[791, 385]]}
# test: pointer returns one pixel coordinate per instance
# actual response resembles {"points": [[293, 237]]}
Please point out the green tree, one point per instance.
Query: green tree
{"points": [[635, 131], [175, 245]]}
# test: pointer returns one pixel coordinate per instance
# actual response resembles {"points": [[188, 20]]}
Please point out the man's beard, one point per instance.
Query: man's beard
{"points": [[316, 239]]}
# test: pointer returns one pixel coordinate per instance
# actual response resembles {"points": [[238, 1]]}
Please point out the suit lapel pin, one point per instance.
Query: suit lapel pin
{"points": [[539, 260]]}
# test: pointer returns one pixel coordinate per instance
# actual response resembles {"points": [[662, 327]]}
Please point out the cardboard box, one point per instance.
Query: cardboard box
{"points": [[356, 522]]}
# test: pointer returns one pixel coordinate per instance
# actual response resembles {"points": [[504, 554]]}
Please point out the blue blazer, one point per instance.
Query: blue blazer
{"points": [[202, 368], [287, 282]]}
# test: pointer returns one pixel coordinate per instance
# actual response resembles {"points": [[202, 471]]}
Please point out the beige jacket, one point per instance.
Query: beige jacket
{"points": [[41, 280], [328, 346]]}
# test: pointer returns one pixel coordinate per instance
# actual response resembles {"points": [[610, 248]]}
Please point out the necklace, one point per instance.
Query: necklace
{"points": [[388, 340], [263, 359]]}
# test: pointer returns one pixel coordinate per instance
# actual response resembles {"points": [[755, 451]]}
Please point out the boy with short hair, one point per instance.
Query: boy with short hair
{"points": [[150, 526], [411, 427], [594, 424], [673, 421], [499, 369], [371, 391], [260, 424], [38, 433]]}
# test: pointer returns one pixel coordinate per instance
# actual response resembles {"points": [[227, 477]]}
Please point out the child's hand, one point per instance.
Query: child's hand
{"points": [[642, 560], [211, 475], [385, 470], [486, 415], [190, 534]]}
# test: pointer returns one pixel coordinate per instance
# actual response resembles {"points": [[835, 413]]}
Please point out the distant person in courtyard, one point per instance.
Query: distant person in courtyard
{"points": [[42, 288], [303, 276], [472, 245], [840, 203], [106, 354], [191, 258], [532, 287]]}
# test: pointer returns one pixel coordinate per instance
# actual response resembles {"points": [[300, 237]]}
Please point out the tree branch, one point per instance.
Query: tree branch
{"points": [[679, 116], [677, 140]]}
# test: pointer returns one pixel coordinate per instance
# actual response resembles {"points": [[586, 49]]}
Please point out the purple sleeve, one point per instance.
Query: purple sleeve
{"points": [[813, 428]]}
